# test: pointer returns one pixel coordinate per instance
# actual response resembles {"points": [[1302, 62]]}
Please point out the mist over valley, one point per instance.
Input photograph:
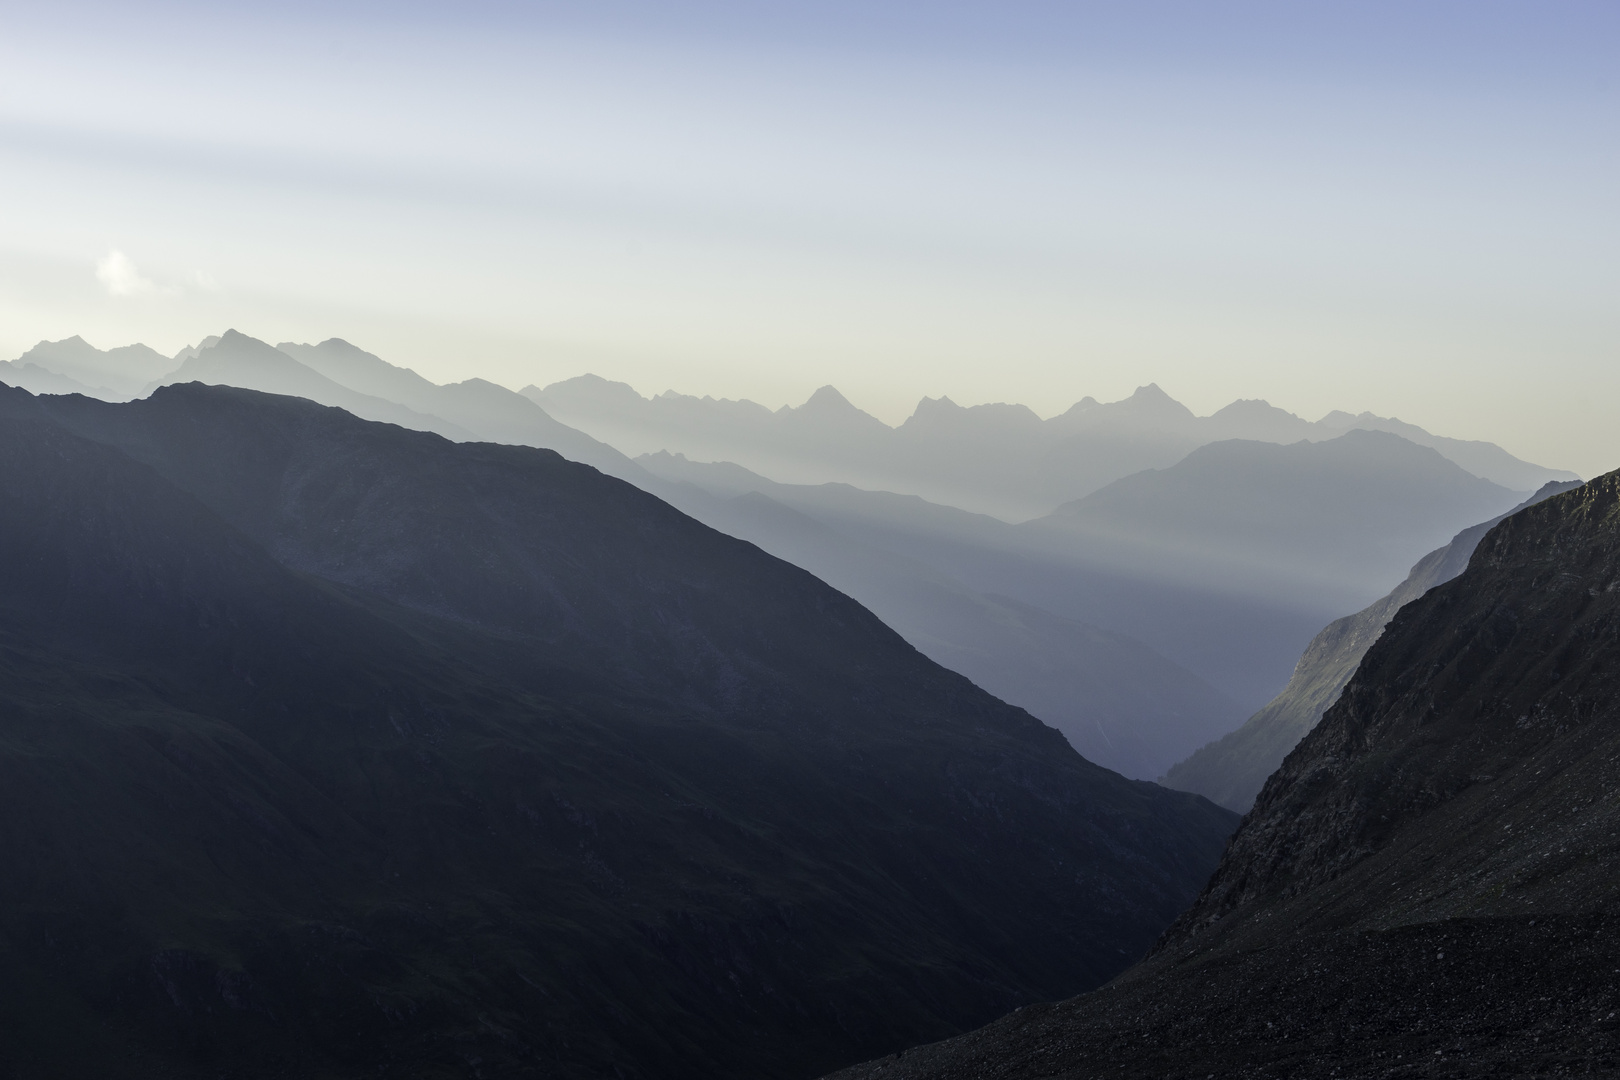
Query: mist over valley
{"points": [[847, 541]]}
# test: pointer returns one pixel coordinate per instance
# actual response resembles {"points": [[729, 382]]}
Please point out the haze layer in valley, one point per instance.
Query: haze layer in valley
{"points": [[1143, 619]]}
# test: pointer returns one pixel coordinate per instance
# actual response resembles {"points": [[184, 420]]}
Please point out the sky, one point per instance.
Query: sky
{"points": [[1403, 207]]}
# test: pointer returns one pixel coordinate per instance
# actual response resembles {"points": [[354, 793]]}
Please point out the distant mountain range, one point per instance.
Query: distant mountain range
{"points": [[333, 748], [1001, 460], [1143, 620], [1226, 564], [1427, 886]]}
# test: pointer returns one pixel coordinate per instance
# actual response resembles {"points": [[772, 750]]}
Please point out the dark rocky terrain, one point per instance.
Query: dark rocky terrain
{"points": [[1232, 769], [333, 749], [1428, 886]]}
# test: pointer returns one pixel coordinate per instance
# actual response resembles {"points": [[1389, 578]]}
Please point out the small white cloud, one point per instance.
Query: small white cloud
{"points": [[118, 272]]}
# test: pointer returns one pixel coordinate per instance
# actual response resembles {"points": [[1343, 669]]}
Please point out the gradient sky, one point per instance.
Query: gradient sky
{"points": [[1404, 207]]}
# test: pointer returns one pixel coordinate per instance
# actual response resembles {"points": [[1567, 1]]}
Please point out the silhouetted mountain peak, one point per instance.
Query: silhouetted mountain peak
{"points": [[1152, 400], [120, 371], [943, 418], [1084, 405], [587, 387], [192, 350], [828, 400]]}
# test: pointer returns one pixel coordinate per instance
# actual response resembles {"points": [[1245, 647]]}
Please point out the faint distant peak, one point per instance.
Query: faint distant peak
{"points": [[1152, 395], [334, 346], [827, 399], [67, 348], [589, 384], [1084, 405], [191, 351], [1338, 418], [74, 342], [942, 416], [1148, 402], [1249, 407], [933, 407]]}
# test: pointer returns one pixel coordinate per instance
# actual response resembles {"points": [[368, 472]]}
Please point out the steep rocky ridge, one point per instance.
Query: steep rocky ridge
{"points": [[1428, 885], [1232, 769], [331, 748]]}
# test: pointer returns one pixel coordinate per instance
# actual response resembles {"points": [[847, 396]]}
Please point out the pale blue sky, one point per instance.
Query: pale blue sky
{"points": [[1402, 207]]}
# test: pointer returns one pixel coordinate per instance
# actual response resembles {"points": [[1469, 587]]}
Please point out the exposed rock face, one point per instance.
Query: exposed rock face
{"points": [[1231, 770], [1517, 659], [1428, 885]]}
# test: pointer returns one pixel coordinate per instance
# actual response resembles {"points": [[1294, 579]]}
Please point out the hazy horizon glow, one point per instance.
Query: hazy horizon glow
{"points": [[1406, 208]]}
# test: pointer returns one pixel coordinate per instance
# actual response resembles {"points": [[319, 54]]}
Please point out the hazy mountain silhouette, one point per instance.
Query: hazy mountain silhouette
{"points": [[996, 459], [1231, 770], [1119, 704], [75, 366], [1346, 515], [489, 412], [333, 748], [238, 360], [1231, 625], [1428, 884], [1117, 701], [1226, 564]]}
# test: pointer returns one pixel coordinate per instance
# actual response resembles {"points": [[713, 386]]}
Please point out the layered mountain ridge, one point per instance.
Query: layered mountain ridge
{"points": [[1140, 651], [997, 459], [333, 748], [1427, 885]]}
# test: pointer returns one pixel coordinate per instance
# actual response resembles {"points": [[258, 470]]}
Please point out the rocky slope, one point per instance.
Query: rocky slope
{"points": [[329, 748], [1429, 885], [1232, 769]]}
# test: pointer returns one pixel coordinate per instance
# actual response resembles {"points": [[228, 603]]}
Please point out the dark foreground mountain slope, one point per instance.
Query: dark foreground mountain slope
{"points": [[1429, 886], [1232, 769], [329, 748]]}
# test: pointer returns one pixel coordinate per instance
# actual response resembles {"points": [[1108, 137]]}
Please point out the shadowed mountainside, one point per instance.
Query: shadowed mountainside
{"points": [[1231, 770], [1429, 884], [331, 748]]}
